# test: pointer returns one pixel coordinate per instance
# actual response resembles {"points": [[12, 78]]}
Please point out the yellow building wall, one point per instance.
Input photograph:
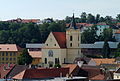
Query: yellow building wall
{"points": [[73, 51], [57, 53], [36, 61], [51, 44], [72, 54], [8, 58]]}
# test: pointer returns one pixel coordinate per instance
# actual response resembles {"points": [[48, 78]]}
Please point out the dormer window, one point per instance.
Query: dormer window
{"points": [[7, 48]]}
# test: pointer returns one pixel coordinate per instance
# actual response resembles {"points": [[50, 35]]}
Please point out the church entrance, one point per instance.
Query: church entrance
{"points": [[50, 64]]}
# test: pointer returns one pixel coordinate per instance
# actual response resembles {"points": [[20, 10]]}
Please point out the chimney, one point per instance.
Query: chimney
{"points": [[29, 66], [4, 68], [8, 65], [60, 74]]}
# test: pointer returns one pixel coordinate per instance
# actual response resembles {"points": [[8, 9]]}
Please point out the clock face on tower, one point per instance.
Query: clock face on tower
{"points": [[50, 53]]}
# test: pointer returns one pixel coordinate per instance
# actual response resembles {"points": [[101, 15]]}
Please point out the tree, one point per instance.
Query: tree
{"points": [[90, 19], [117, 53], [83, 17], [57, 66], [107, 35], [24, 58], [118, 17], [89, 35], [106, 50], [108, 20], [97, 19]]}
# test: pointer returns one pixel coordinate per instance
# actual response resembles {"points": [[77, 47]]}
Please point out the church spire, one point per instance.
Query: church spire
{"points": [[73, 23]]}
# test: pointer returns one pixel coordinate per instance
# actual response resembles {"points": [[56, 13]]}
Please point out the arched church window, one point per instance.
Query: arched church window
{"points": [[50, 53], [71, 38], [70, 44]]}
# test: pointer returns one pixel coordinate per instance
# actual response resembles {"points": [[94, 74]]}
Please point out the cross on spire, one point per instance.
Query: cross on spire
{"points": [[73, 23]]}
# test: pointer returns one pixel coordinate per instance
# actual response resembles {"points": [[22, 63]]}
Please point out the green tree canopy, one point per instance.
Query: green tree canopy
{"points": [[117, 53], [89, 35], [24, 58], [106, 50]]}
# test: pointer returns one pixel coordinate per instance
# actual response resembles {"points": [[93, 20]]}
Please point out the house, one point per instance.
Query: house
{"points": [[117, 74], [100, 28], [42, 73], [37, 57], [35, 51], [62, 47], [117, 35], [92, 72], [19, 20], [9, 53], [96, 48], [5, 69], [99, 61]]}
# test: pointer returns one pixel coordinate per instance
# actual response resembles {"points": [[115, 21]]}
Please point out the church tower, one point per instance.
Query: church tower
{"points": [[73, 41]]}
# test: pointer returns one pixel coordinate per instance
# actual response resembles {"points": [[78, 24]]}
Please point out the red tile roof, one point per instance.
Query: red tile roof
{"points": [[30, 20], [72, 67], [4, 69], [42, 73], [35, 54], [61, 38], [99, 61], [94, 73], [9, 47]]}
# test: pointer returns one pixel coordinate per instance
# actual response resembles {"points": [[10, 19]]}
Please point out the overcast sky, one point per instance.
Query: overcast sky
{"points": [[57, 9]]}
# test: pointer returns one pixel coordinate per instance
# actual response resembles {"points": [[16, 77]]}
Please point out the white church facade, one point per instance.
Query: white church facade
{"points": [[62, 47]]}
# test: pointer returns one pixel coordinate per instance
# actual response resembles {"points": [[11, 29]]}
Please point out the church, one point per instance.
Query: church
{"points": [[62, 47]]}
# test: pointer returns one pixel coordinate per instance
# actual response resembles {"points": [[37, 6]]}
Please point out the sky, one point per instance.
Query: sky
{"points": [[56, 9]]}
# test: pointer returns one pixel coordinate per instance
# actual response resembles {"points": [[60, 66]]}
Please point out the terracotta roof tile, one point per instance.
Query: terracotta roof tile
{"points": [[104, 61], [98, 77], [42, 73], [94, 73], [9, 47], [72, 67], [61, 38], [4, 69], [35, 54]]}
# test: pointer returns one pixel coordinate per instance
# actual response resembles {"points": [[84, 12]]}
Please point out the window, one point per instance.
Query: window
{"points": [[54, 44], [6, 53], [2, 53], [14, 59], [46, 44], [70, 38], [78, 44], [56, 60], [78, 37], [14, 54], [45, 60], [70, 44], [10, 53], [64, 60], [117, 76], [2, 58], [6, 58], [50, 53], [10, 59]]}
